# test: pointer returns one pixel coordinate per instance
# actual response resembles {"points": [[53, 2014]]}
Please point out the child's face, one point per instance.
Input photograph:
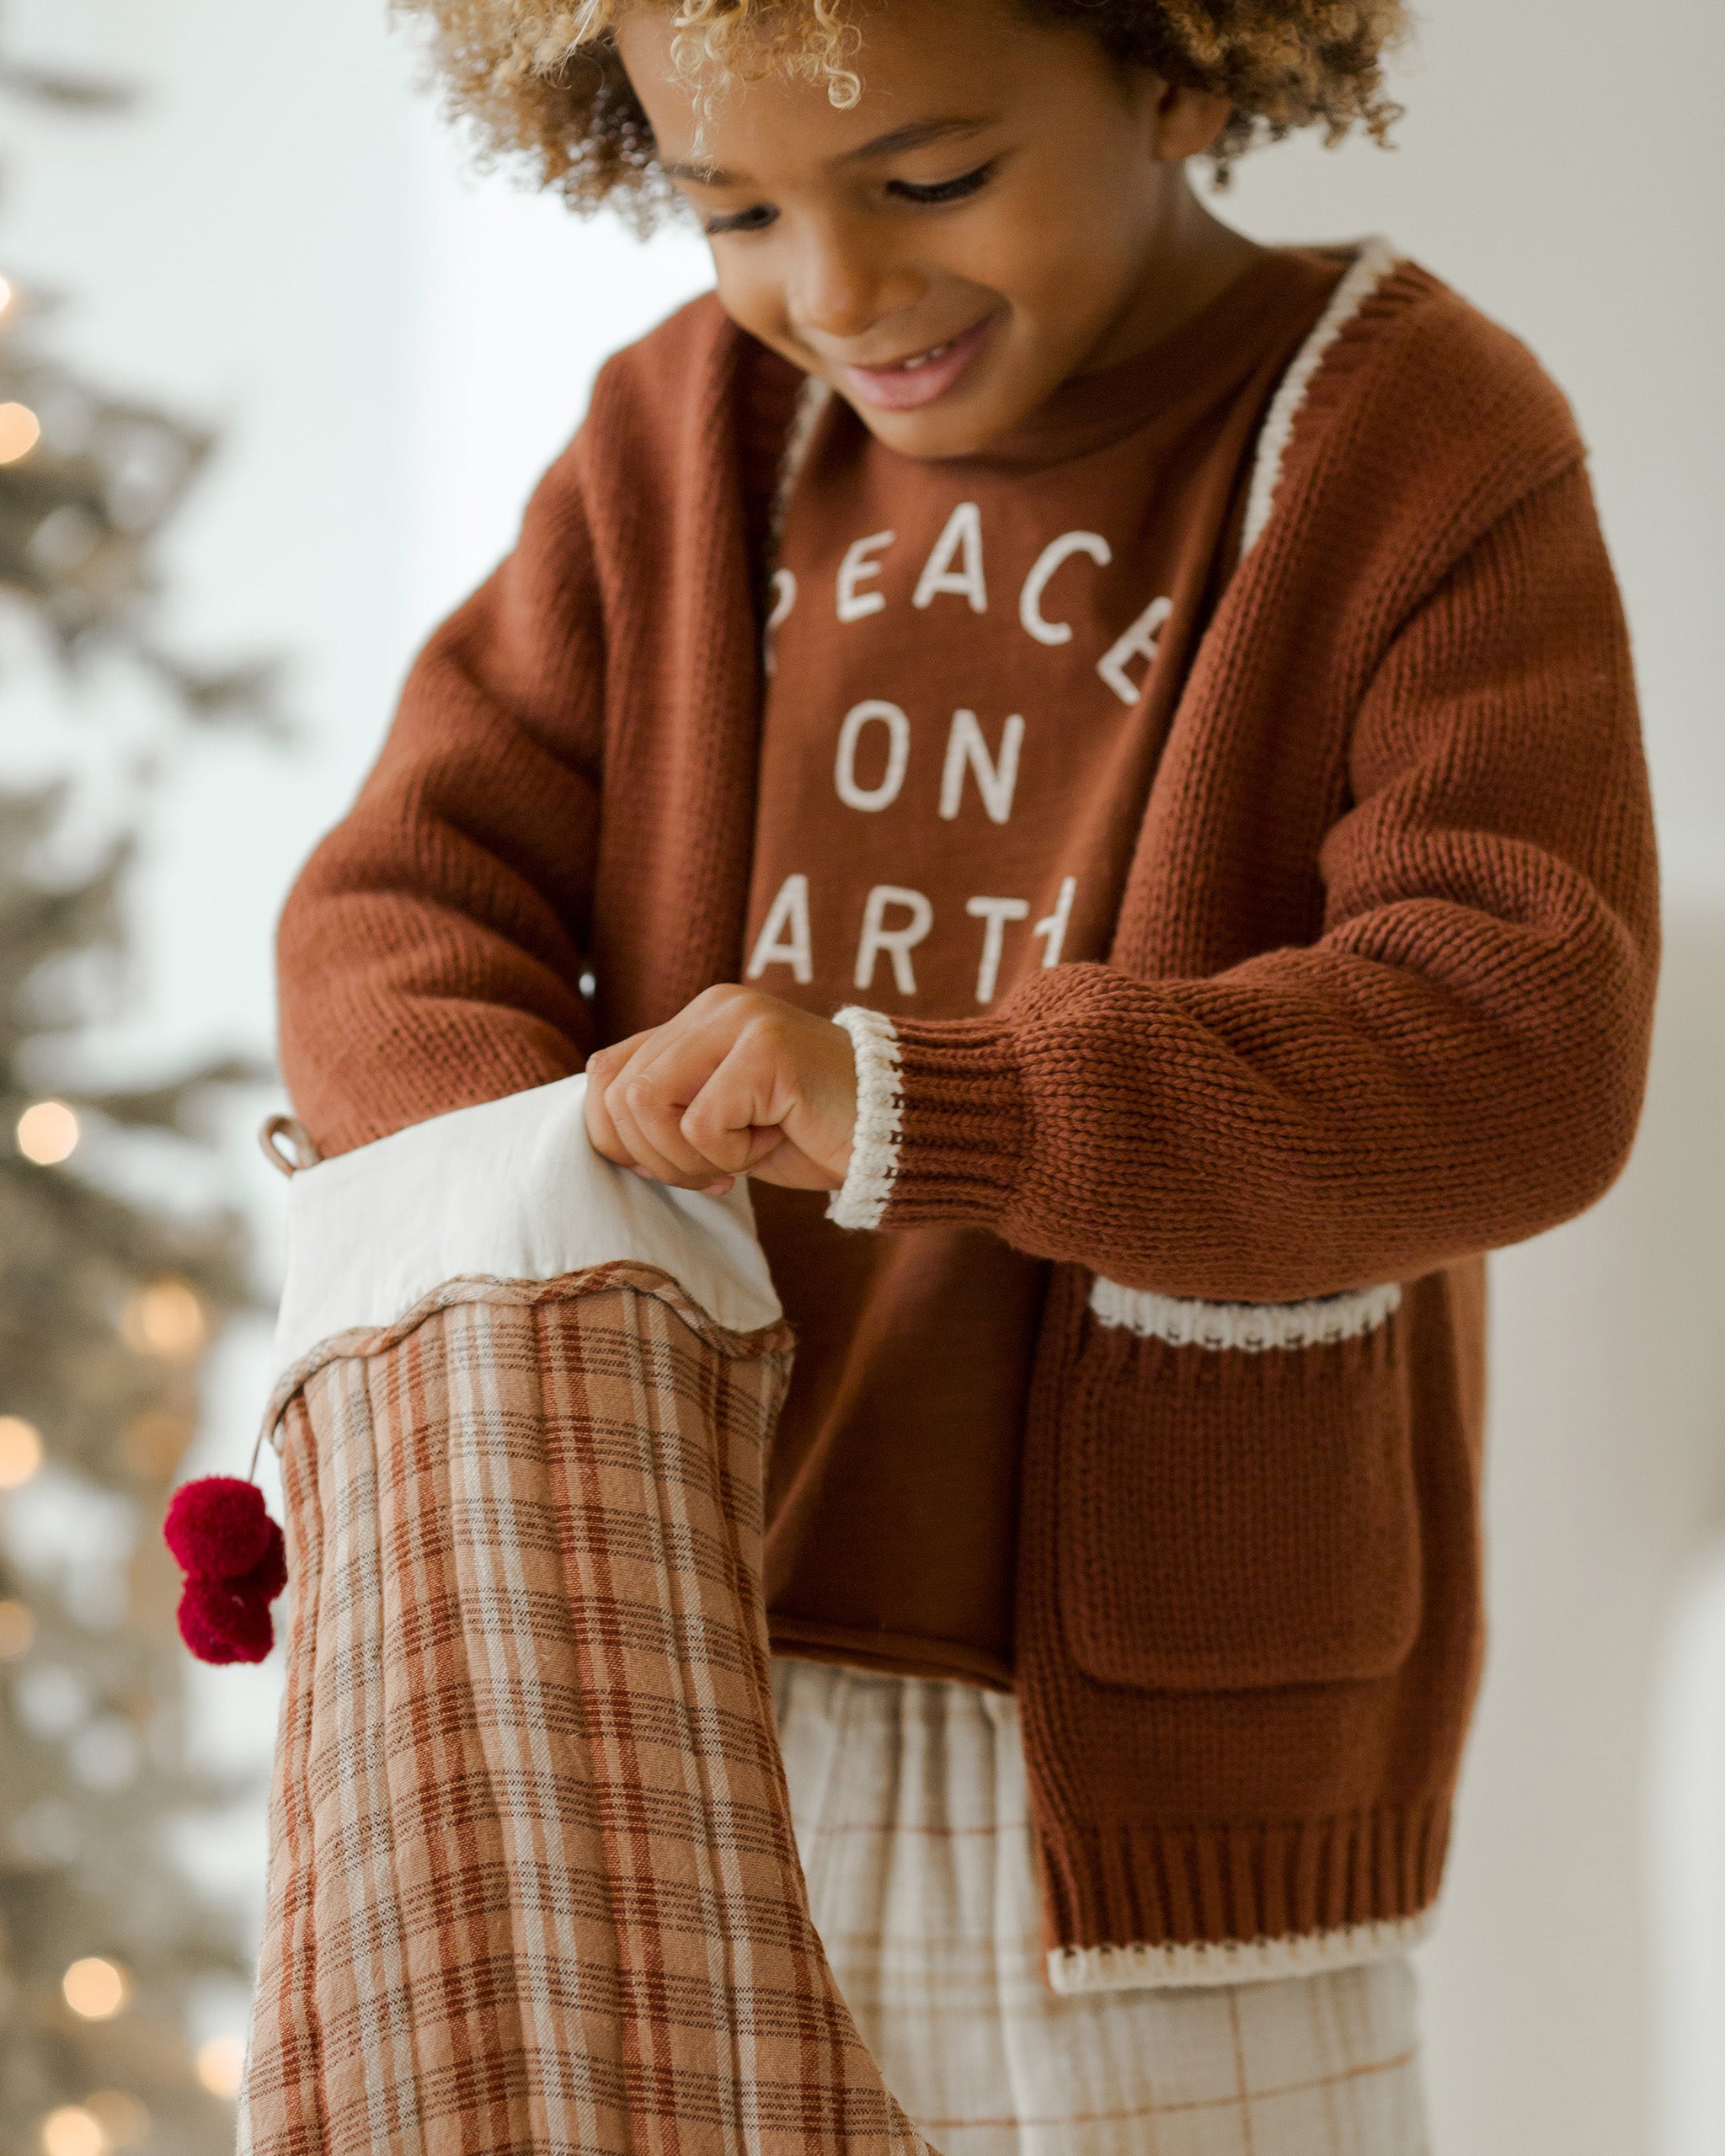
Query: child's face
{"points": [[981, 225]]}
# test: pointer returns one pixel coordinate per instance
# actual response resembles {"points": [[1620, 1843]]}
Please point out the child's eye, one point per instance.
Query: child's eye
{"points": [[754, 219], [945, 191]]}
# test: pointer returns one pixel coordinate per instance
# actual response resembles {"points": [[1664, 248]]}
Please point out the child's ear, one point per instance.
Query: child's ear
{"points": [[1188, 121]]}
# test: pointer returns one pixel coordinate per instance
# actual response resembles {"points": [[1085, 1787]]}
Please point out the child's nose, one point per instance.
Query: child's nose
{"points": [[841, 288]]}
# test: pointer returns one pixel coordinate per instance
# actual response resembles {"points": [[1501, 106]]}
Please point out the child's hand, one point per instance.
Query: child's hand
{"points": [[737, 1083]]}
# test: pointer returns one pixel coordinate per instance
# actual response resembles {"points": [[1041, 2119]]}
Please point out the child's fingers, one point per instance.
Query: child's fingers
{"points": [[647, 1098], [734, 1116], [611, 1127], [702, 1092], [790, 1167], [638, 1131], [601, 1131], [712, 1095], [722, 1124], [788, 1078]]}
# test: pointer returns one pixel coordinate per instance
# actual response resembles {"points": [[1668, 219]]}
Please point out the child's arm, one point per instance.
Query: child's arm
{"points": [[1457, 1063], [431, 951]]}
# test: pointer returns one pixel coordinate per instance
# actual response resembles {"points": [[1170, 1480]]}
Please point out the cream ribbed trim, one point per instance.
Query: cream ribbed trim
{"points": [[1375, 261], [861, 1200], [813, 398], [1249, 1328], [1073, 1969]]}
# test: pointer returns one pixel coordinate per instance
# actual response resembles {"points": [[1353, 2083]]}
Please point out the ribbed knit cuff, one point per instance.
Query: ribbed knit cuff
{"points": [[940, 1123]]}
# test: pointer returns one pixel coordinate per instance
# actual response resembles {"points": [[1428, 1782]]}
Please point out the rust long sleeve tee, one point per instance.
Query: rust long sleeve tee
{"points": [[973, 664]]}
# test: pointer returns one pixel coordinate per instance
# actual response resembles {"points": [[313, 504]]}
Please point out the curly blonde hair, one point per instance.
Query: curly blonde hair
{"points": [[541, 86]]}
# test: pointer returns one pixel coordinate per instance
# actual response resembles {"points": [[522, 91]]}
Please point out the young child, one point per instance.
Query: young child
{"points": [[1096, 762]]}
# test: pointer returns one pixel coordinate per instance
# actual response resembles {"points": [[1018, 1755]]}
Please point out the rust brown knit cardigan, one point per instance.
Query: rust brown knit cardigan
{"points": [[1379, 1001]]}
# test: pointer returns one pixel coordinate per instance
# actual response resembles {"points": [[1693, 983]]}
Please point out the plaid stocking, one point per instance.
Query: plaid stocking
{"points": [[533, 1887]]}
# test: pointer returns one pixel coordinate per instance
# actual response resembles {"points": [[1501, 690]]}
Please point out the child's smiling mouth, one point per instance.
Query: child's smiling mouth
{"points": [[903, 385]]}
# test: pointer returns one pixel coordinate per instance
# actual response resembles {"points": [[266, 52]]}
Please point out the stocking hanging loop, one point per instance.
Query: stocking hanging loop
{"points": [[301, 1152]]}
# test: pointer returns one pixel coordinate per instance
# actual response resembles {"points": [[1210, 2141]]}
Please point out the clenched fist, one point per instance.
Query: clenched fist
{"points": [[738, 1083]]}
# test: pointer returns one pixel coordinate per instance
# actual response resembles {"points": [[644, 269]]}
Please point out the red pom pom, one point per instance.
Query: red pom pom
{"points": [[269, 1576], [236, 1563], [218, 1527], [219, 1625]]}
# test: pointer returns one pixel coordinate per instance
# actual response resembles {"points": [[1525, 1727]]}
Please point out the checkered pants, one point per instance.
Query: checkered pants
{"points": [[910, 1807]]}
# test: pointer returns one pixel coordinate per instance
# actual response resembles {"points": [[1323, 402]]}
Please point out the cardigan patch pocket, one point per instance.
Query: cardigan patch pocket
{"points": [[1237, 1504]]}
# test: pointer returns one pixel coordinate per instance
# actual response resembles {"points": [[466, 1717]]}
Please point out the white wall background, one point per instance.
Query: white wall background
{"points": [[279, 238]]}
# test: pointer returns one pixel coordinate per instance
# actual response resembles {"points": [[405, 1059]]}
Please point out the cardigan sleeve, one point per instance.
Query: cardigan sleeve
{"points": [[430, 955], [1457, 1063]]}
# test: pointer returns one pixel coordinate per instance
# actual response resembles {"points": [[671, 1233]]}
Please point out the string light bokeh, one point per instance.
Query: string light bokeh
{"points": [[48, 1133], [95, 1988], [20, 1451], [167, 1319], [20, 430], [74, 2129], [221, 2062]]}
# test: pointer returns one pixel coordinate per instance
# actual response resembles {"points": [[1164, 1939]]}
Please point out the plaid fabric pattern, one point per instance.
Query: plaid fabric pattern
{"points": [[533, 1883], [910, 1810]]}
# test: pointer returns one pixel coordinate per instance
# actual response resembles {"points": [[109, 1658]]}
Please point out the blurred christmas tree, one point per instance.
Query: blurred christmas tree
{"points": [[110, 1301]]}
